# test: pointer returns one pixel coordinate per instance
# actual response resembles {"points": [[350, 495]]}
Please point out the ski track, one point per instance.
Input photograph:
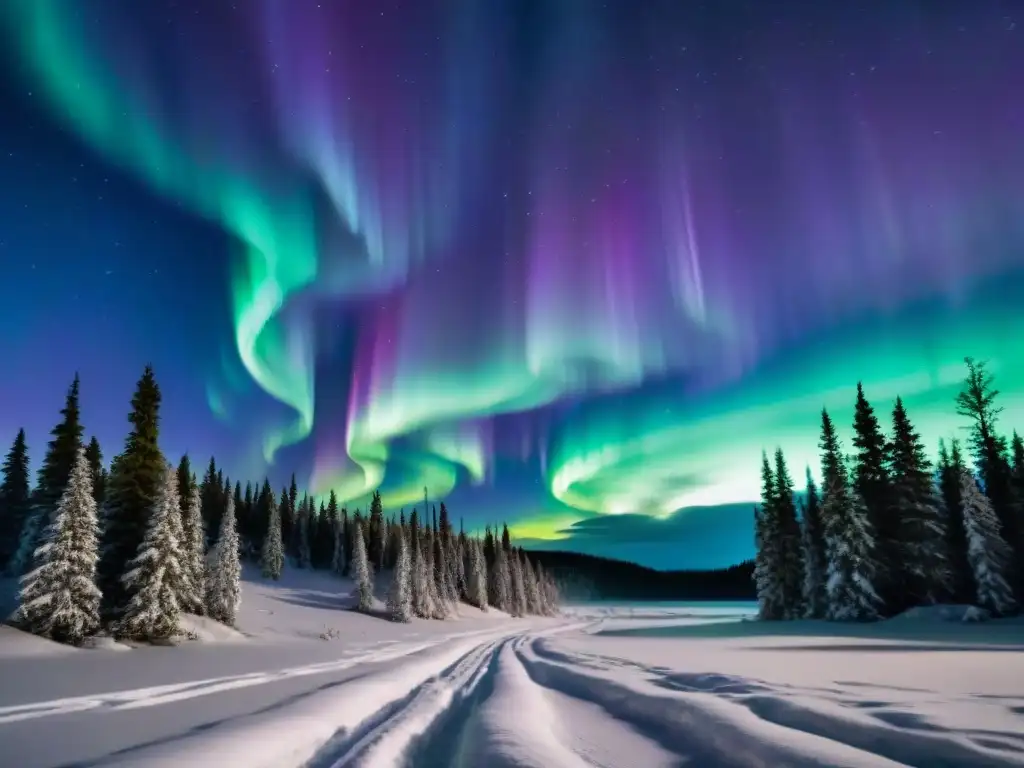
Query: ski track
{"points": [[165, 694], [518, 703]]}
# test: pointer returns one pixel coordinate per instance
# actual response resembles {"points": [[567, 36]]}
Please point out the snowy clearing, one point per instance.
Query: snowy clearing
{"points": [[600, 686]]}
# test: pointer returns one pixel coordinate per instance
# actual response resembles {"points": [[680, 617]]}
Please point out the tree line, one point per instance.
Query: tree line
{"points": [[129, 548], [889, 529]]}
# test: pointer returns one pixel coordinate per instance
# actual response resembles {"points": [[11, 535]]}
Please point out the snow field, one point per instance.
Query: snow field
{"points": [[354, 718]]}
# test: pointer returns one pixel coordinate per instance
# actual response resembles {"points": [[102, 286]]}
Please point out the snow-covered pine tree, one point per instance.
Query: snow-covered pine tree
{"points": [[977, 402], [400, 594], [362, 572], [768, 558], [791, 577], [500, 592], [551, 594], [533, 601], [437, 600], [443, 572], [155, 578], [421, 593], [815, 563], [224, 572], [518, 582], [921, 526], [458, 563], [542, 577], [988, 553], [272, 555], [59, 598], [477, 581], [194, 552], [848, 536]]}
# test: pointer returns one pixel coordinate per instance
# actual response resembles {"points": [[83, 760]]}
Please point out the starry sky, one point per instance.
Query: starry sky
{"points": [[568, 264]]}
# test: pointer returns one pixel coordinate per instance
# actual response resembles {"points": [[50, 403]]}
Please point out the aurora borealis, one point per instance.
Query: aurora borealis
{"points": [[572, 265]]}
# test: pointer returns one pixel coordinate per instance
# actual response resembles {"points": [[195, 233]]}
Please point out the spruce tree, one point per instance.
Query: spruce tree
{"points": [[94, 455], [376, 531], [303, 526], [500, 592], [518, 583], [194, 550], [362, 572], [421, 592], [477, 581], [976, 402], [533, 600], [871, 482], [815, 562], [133, 490], [154, 579], [324, 542], [961, 578], [768, 558], [987, 551], [213, 501], [60, 457], [224, 572], [186, 480], [849, 539], [436, 597], [59, 598], [272, 555], [400, 594], [14, 498], [339, 565], [791, 574], [921, 555], [245, 514], [288, 518]]}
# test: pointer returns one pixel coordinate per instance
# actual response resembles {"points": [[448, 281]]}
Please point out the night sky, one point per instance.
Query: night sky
{"points": [[568, 264]]}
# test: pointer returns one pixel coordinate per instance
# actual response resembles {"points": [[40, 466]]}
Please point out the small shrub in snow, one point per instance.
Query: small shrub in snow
{"points": [[330, 633]]}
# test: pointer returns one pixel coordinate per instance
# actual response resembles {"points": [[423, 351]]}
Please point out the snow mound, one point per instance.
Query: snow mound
{"points": [[206, 630], [939, 613], [17, 644], [104, 643]]}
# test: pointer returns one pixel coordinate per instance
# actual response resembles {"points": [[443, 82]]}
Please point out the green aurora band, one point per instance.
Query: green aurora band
{"points": [[581, 323]]}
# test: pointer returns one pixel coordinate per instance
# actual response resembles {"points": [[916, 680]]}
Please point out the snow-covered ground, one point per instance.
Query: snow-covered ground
{"points": [[600, 686]]}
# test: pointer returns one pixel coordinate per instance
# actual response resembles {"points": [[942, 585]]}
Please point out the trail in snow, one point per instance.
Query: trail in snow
{"points": [[556, 695], [166, 694], [519, 703]]}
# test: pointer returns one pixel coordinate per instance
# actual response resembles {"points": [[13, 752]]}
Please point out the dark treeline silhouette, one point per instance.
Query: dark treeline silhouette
{"points": [[889, 530], [130, 547], [587, 577]]}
